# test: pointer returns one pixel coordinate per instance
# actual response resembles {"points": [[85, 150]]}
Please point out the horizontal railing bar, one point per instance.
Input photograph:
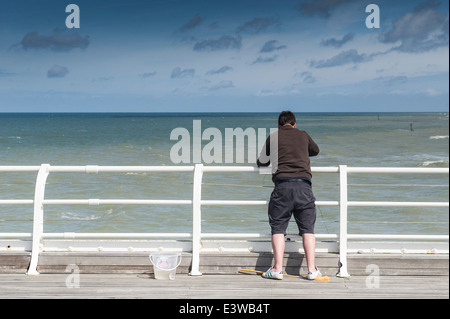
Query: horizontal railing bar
{"points": [[214, 235], [375, 236], [234, 235], [257, 202], [332, 169], [415, 170], [208, 202], [19, 168], [69, 235], [116, 202], [118, 169], [265, 170], [258, 235], [72, 235], [16, 235], [16, 201], [233, 202], [407, 204]]}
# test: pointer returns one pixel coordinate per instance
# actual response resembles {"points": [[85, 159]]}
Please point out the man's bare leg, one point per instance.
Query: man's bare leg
{"points": [[309, 245], [278, 246]]}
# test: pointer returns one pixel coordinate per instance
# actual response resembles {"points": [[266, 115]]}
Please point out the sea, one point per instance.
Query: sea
{"points": [[163, 139]]}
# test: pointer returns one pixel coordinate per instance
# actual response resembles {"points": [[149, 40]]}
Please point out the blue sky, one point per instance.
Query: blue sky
{"points": [[224, 56]]}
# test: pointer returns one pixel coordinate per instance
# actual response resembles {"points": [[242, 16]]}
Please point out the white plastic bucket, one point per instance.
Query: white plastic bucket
{"points": [[165, 265]]}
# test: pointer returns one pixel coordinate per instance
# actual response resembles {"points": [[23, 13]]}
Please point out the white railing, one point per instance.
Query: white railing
{"points": [[196, 202]]}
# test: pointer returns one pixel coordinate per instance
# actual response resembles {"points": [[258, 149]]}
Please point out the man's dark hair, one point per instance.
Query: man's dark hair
{"points": [[286, 117]]}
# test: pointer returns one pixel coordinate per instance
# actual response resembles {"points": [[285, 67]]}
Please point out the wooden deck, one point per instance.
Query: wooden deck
{"points": [[220, 287], [228, 263], [130, 276]]}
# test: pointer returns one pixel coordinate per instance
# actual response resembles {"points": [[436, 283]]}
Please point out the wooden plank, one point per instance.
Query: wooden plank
{"points": [[211, 263], [100, 262], [228, 263], [238, 286], [398, 264], [14, 262]]}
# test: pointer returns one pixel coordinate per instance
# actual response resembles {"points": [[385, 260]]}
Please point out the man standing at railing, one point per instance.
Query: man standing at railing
{"points": [[288, 150]]}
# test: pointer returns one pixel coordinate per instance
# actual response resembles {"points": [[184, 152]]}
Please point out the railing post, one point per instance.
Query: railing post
{"points": [[38, 218], [343, 208], [196, 220]]}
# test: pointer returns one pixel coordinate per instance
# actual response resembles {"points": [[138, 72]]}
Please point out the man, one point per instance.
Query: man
{"points": [[288, 150]]}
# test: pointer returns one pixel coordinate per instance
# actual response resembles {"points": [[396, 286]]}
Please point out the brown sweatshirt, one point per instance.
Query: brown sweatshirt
{"points": [[293, 152]]}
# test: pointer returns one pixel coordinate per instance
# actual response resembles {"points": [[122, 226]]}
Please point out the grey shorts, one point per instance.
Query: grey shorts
{"points": [[292, 197]]}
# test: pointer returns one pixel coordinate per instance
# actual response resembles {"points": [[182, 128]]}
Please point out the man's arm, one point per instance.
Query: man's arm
{"points": [[264, 158], [313, 148]]}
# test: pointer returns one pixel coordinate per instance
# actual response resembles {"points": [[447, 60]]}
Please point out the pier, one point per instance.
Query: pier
{"points": [[37, 264], [130, 276], [223, 287]]}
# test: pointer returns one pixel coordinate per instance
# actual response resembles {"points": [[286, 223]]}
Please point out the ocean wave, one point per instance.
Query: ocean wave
{"points": [[438, 137], [425, 160], [75, 216], [440, 163]]}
